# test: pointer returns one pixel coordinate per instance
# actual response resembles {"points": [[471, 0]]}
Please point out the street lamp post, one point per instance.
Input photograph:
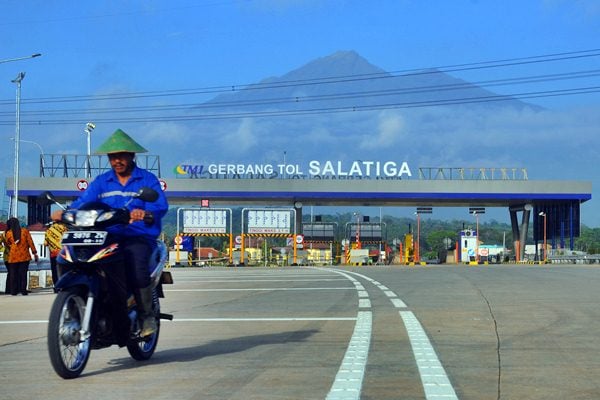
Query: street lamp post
{"points": [[476, 211], [17, 80], [417, 256], [357, 215], [43, 166], [543, 214], [89, 127], [420, 210], [15, 200], [20, 58]]}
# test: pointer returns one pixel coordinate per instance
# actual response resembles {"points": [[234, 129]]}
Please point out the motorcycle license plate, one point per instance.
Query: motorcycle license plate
{"points": [[84, 238]]}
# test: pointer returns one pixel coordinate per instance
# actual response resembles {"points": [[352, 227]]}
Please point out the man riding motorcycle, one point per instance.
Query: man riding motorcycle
{"points": [[137, 239]]}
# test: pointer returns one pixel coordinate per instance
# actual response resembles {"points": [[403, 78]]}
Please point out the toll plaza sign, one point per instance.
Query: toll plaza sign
{"points": [[269, 221], [363, 169], [205, 221]]}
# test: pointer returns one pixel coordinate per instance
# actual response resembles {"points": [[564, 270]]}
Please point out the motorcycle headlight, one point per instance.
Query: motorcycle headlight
{"points": [[69, 216], [86, 217], [105, 216]]}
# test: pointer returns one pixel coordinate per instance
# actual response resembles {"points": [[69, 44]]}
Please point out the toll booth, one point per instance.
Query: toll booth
{"points": [[467, 245]]}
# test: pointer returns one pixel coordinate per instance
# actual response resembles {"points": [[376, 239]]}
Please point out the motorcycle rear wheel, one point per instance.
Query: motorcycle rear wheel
{"points": [[68, 353]]}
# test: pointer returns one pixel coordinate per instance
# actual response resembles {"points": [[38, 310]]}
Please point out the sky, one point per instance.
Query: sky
{"points": [[102, 48]]}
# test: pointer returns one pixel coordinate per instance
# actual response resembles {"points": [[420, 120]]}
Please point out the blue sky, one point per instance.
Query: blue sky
{"points": [[93, 48]]}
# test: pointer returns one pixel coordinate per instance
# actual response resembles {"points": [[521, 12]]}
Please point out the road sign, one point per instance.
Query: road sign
{"points": [[178, 239], [82, 184]]}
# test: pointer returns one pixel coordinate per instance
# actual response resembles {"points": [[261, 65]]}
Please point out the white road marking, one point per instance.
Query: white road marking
{"points": [[433, 376], [24, 322], [220, 280], [256, 289], [284, 319], [348, 381], [398, 303], [364, 303]]}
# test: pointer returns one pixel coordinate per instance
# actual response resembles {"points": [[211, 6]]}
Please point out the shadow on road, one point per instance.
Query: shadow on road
{"points": [[213, 348]]}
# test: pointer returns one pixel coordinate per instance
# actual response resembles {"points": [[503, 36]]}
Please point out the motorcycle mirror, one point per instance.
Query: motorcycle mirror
{"points": [[147, 194], [46, 198]]}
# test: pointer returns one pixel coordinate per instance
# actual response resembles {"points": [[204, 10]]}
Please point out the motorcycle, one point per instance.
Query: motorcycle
{"points": [[84, 316]]}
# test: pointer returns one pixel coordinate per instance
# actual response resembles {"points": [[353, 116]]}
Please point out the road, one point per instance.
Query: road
{"points": [[426, 332]]}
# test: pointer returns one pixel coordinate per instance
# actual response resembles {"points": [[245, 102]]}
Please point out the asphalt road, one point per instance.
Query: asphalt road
{"points": [[433, 332]]}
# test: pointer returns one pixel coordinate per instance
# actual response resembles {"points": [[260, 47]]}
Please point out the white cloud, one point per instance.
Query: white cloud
{"points": [[240, 141], [390, 130]]}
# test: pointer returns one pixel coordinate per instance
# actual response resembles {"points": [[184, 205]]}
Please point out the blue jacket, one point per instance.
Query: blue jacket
{"points": [[107, 189]]}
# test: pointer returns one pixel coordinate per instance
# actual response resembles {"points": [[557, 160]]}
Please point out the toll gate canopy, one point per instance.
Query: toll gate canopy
{"points": [[558, 200]]}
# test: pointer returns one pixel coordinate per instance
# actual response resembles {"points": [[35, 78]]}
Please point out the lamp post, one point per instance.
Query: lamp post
{"points": [[15, 200], [476, 211], [17, 80], [357, 215], [417, 256], [20, 58], [41, 152], [543, 214], [420, 210], [89, 127]]}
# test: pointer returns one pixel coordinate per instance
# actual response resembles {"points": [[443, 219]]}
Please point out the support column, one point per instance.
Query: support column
{"points": [[515, 231], [524, 230], [520, 232], [298, 218], [36, 212]]}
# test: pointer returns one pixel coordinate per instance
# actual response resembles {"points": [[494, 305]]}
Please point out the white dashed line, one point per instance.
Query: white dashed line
{"points": [[364, 303], [348, 381], [433, 376], [398, 303]]}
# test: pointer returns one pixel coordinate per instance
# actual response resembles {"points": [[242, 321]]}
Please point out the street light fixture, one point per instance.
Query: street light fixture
{"points": [[543, 214], [89, 127], [20, 58], [41, 152], [15, 200]]}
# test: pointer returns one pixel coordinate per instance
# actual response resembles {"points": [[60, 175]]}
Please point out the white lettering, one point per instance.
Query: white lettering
{"points": [[314, 168], [389, 168], [355, 169], [404, 169], [368, 165], [328, 169]]}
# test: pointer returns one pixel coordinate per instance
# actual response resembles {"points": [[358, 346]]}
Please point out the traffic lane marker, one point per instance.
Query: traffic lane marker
{"points": [[433, 375]]}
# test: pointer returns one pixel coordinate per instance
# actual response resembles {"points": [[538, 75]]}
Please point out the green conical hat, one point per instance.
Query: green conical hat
{"points": [[120, 142]]}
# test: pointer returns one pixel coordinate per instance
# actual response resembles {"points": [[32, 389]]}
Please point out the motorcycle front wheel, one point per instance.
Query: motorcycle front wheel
{"points": [[68, 352]]}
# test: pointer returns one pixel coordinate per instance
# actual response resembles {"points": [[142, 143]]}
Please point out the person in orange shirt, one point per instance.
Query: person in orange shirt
{"points": [[5, 258], [20, 244]]}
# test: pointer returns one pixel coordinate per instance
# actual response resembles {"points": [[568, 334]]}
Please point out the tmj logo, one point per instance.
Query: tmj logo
{"points": [[194, 171]]}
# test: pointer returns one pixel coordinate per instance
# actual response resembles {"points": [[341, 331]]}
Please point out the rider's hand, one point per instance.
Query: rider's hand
{"points": [[56, 215], [136, 215]]}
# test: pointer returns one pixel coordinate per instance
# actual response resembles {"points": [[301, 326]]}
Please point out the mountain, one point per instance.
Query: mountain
{"points": [[343, 108], [345, 80]]}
